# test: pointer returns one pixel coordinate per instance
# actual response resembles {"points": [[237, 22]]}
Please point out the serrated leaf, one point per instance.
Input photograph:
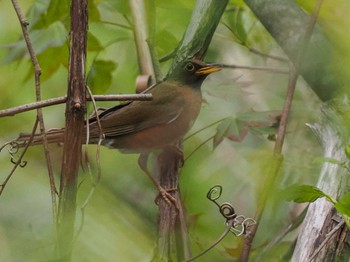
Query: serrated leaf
{"points": [[261, 118], [229, 128], [99, 77], [343, 205], [261, 123], [302, 193]]}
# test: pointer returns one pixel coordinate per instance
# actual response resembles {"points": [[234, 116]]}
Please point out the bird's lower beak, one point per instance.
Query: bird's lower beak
{"points": [[208, 70]]}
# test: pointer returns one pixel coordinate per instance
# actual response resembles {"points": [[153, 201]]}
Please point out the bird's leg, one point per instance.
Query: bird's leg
{"points": [[178, 152], [143, 159]]}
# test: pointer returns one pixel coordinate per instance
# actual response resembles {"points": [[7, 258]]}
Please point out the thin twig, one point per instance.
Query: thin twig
{"points": [[257, 68], [60, 100], [224, 234], [198, 147], [19, 160], [116, 24], [37, 74], [203, 128], [275, 57], [277, 161]]}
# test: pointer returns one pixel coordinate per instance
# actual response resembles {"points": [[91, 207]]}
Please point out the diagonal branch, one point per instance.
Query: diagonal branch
{"points": [[37, 73]]}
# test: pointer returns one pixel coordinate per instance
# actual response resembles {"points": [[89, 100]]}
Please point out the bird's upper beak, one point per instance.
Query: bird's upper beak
{"points": [[208, 70]]}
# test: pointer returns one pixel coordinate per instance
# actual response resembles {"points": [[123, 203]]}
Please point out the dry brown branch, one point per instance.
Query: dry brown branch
{"points": [[75, 112], [37, 74], [60, 100]]}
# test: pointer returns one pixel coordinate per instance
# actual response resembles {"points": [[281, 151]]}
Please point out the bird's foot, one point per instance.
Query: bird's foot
{"points": [[165, 194]]}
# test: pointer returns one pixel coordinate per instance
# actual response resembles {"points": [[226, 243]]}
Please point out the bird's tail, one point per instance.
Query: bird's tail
{"points": [[52, 136]]}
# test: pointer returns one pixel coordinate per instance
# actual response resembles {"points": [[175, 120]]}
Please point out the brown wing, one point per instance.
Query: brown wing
{"points": [[165, 107]]}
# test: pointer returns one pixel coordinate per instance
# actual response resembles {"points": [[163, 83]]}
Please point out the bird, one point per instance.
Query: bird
{"points": [[144, 126]]}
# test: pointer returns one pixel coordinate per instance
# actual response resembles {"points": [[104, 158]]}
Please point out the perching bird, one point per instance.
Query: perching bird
{"points": [[142, 126]]}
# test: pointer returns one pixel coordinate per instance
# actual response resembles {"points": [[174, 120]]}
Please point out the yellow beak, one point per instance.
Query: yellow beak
{"points": [[207, 70]]}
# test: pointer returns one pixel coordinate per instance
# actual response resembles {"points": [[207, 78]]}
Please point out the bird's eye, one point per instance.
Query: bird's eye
{"points": [[189, 67]]}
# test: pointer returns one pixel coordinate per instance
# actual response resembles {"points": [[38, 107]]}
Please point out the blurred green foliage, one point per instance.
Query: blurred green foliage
{"points": [[120, 220]]}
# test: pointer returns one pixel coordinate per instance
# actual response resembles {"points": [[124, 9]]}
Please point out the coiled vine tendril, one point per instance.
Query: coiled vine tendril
{"points": [[240, 224], [13, 148]]}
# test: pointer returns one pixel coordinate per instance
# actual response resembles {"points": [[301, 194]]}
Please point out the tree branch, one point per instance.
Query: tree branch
{"points": [[37, 74], [75, 110], [63, 99]]}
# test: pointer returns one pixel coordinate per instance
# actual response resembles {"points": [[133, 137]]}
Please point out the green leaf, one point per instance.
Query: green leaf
{"points": [[99, 78], [93, 44], [229, 128], [347, 151], [58, 10], [321, 160], [302, 193], [241, 32], [51, 60], [35, 12], [343, 205], [54, 36], [166, 42], [261, 123], [94, 13], [122, 7]]}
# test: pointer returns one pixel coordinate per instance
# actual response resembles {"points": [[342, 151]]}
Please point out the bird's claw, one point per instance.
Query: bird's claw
{"points": [[164, 193]]}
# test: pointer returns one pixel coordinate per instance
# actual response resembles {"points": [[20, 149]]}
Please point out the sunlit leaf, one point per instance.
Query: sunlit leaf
{"points": [[99, 78], [302, 193], [343, 205]]}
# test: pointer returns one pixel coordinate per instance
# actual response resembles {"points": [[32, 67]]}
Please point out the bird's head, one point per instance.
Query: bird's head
{"points": [[192, 72]]}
